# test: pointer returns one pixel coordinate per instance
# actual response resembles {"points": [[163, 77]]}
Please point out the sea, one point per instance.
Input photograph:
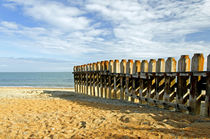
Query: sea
{"points": [[37, 79]]}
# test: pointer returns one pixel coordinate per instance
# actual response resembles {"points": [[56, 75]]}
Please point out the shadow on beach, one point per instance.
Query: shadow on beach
{"points": [[184, 124]]}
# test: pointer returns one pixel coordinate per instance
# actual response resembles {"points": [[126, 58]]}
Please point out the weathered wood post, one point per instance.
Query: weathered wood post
{"points": [[207, 98], [86, 79], [151, 80], [129, 72], [98, 78], [169, 80], [110, 83], [116, 71], [182, 80], [136, 70], [75, 79], [122, 82], [79, 69], [83, 78], [106, 78], [102, 68], [81, 73], [197, 65], [160, 67], [94, 78], [143, 81], [90, 79]]}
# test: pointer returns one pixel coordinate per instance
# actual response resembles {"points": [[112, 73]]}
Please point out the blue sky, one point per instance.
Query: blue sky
{"points": [[50, 35]]}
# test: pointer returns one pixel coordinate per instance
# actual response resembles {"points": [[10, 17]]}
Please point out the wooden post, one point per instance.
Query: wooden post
{"points": [[86, 82], [79, 79], [122, 84], [94, 79], [110, 84], [152, 65], [116, 70], [169, 81], [207, 98], [143, 82], [102, 68], [98, 78], [151, 80], [197, 65], [129, 72], [75, 82], [182, 81], [90, 80], [136, 69], [83, 79], [144, 66], [160, 67], [106, 79]]}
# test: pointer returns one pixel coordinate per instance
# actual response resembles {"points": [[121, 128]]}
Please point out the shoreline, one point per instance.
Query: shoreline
{"points": [[37, 87]]}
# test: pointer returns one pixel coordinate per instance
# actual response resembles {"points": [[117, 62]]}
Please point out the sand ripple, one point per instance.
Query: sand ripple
{"points": [[59, 113]]}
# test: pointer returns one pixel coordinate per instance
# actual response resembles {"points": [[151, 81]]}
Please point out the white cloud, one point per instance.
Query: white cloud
{"points": [[113, 28], [54, 13], [9, 25]]}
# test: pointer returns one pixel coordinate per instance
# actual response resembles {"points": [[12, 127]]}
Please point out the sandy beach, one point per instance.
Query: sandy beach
{"points": [[60, 113]]}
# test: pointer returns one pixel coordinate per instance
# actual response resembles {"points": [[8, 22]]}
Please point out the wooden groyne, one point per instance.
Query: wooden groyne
{"points": [[182, 86]]}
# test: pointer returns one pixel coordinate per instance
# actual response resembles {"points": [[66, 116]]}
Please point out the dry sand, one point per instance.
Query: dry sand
{"points": [[60, 113]]}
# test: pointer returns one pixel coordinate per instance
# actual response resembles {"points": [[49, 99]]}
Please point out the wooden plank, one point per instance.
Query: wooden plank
{"points": [[86, 80], [160, 67], [122, 71], [116, 71], [102, 68], [197, 65], [98, 79], [90, 80], [75, 80], [143, 82], [106, 79], [207, 97], [182, 81], [151, 78], [144, 66], [79, 80], [94, 78], [129, 70], [136, 69], [111, 70], [169, 81]]}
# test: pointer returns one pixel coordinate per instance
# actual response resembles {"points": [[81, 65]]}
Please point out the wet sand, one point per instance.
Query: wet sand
{"points": [[60, 113]]}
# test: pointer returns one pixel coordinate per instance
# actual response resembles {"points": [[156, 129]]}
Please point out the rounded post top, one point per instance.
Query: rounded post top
{"points": [[185, 56], [144, 61], [198, 54], [116, 60], [184, 63], [123, 60], [197, 62], [137, 61], [130, 60], [161, 59], [152, 60]]}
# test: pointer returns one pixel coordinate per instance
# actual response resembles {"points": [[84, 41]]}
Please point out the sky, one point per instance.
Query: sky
{"points": [[55, 35]]}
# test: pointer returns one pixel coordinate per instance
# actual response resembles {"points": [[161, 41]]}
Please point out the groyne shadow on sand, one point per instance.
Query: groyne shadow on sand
{"points": [[177, 120]]}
